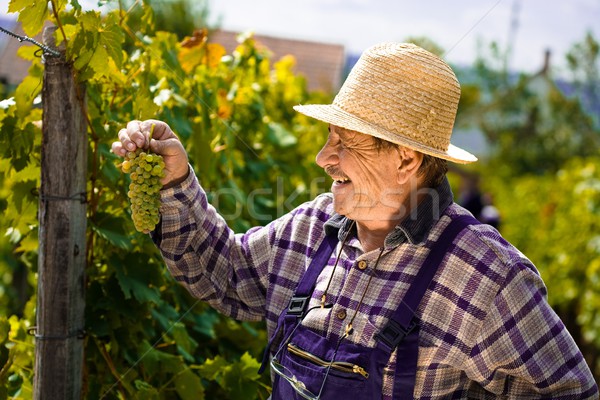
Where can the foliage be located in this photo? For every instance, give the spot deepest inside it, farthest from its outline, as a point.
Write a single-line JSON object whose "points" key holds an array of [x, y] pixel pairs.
{"points": [[147, 338], [426, 43], [180, 17], [530, 125], [555, 220], [542, 172], [584, 63]]}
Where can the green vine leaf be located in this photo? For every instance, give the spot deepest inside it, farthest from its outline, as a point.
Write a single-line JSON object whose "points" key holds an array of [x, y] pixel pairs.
{"points": [[112, 37], [218, 109], [156, 361], [189, 386], [133, 281], [112, 229], [26, 92], [32, 14]]}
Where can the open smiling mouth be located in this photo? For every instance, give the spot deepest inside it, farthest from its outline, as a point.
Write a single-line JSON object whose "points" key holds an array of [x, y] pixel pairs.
{"points": [[341, 181]]}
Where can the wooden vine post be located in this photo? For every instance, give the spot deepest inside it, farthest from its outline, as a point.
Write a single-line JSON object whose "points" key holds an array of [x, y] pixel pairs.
{"points": [[62, 230]]}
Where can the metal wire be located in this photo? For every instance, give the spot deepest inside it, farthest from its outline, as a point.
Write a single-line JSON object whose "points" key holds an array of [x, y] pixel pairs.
{"points": [[47, 50]]}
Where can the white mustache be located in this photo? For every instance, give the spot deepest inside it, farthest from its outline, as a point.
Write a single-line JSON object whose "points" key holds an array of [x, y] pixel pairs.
{"points": [[334, 171]]}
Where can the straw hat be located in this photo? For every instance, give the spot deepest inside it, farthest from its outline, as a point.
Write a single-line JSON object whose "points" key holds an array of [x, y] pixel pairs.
{"points": [[401, 93]]}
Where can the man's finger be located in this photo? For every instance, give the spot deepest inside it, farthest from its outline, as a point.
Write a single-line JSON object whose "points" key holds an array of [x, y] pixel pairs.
{"points": [[136, 133], [126, 141], [117, 148], [161, 130]]}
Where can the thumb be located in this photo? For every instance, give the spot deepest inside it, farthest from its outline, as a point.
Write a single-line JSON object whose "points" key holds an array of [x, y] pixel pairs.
{"points": [[170, 149], [156, 146], [166, 147]]}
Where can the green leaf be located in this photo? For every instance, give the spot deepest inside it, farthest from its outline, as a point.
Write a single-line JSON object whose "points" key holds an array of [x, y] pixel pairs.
{"points": [[61, 5], [29, 173], [83, 58], [145, 391], [20, 145], [189, 386], [156, 361], [205, 323], [148, 19], [28, 52], [112, 228], [182, 338], [111, 38], [32, 14], [279, 136], [21, 195], [134, 280], [213, 368], [144, 107], [240, 379], [249, 366], [98, 60], [27, 90]]}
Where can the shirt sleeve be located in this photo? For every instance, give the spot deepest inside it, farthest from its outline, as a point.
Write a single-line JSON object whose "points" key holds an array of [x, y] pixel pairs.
{"points": [[524, 350], [226, 270]]}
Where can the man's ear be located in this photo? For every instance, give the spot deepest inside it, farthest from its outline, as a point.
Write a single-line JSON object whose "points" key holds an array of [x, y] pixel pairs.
{"points": [[408, 165]]}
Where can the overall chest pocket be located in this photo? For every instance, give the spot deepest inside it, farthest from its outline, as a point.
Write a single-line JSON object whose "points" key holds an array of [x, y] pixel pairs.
{"points": [[348, 373], [312, 372]]}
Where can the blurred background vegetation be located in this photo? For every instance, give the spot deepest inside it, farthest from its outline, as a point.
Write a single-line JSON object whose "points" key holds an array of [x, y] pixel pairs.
{"points": [[538, 180]]}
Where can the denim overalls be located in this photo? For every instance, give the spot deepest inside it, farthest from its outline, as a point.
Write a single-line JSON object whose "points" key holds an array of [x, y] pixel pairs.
{"points": [[356, 372]]}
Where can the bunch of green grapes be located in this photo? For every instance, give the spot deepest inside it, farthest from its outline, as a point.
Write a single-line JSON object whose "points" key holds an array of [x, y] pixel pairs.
{"points": [[145, 170]]}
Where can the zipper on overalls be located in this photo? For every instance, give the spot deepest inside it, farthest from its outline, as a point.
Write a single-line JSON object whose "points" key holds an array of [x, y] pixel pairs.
{"points": [[338, 365]]}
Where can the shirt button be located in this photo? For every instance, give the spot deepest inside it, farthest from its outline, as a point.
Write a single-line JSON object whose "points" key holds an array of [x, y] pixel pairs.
{"points": [[341, 314], [362, 264]]}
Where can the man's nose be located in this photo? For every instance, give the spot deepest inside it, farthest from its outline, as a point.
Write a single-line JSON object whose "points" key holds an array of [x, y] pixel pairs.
{"points": [[327, 156]]}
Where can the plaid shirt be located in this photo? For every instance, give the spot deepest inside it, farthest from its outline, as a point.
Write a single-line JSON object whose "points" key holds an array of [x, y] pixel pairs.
{"points": [[486, 327]]}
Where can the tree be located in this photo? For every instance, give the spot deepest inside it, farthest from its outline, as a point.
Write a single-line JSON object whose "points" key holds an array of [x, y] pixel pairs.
{"points": [[531, 126], [584, 64]]}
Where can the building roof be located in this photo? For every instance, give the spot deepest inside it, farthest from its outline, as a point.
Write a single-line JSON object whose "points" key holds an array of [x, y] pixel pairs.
{"points": [[322, 64], [12, 67]]}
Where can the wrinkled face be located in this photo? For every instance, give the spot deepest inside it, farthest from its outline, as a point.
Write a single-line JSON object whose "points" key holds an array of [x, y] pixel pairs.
{"points": [[365, 178]]}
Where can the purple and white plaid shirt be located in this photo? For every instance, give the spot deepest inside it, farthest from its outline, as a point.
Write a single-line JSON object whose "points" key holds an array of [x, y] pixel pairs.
{"points": [[486, 327]]}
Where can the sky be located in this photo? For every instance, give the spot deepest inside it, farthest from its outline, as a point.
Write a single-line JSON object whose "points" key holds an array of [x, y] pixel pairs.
{"points": [[530, 26], [456, 25]]}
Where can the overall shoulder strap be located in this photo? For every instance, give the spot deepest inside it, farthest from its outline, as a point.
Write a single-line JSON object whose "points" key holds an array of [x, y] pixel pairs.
{"points": [[309, 279], [404, 319], [402, 331], [299, 301], [316, 265]]}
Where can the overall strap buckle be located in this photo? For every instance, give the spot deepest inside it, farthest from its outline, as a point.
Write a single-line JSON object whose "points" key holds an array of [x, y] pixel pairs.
{"points": [[393, 333], [298, 305]]}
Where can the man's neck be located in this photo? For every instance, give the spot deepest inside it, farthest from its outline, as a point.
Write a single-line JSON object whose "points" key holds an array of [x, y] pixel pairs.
{"points": [[372, 238], [373, 232]]}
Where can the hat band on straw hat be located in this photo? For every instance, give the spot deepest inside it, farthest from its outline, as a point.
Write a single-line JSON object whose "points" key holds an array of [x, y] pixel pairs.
{"points": [[400, 93]]}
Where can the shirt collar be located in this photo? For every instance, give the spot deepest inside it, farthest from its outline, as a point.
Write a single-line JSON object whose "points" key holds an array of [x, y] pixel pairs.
{"points": [[412, 229]]}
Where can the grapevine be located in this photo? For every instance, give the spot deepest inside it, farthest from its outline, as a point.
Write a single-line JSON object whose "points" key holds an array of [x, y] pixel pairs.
{"points": [[134, 308], [145, 170]]}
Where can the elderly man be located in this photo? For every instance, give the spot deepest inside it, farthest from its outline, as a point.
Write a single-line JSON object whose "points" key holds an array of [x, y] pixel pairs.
{"points": [[383, 288]]}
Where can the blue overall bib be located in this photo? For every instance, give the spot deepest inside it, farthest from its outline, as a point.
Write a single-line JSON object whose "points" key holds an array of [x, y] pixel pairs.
{"points": [[357, 371]]}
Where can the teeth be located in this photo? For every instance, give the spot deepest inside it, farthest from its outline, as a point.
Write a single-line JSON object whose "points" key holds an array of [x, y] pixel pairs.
{"points": [[343, 180]]}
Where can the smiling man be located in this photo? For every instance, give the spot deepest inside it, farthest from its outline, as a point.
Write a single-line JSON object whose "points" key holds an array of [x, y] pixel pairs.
{"points": [[384, 288]]}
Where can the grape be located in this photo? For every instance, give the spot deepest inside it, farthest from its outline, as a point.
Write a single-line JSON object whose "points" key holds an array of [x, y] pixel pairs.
{"points": [[145, 170]]}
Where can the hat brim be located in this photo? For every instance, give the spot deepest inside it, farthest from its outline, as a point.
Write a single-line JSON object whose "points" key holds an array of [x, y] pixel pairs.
{"points": [[334, 115]]}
